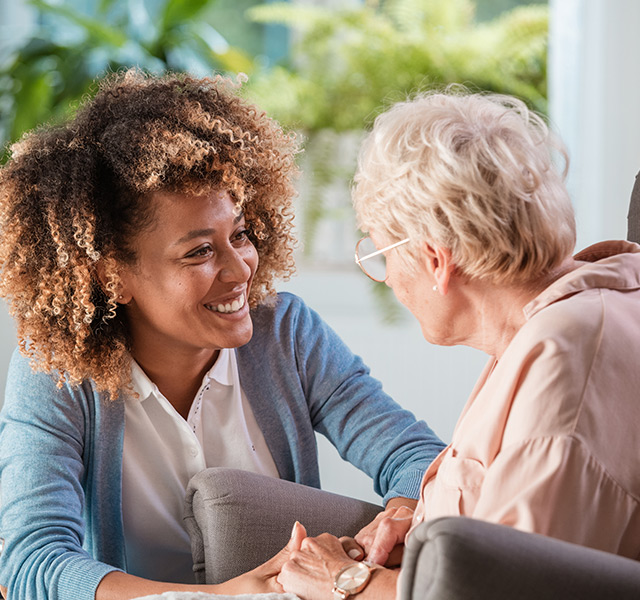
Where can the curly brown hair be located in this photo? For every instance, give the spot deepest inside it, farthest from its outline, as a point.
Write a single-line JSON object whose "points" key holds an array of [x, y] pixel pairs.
{"points": [[75, 195]]}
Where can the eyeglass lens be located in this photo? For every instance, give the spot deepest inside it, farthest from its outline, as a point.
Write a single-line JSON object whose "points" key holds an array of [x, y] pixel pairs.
{"points": [[376, 266]]}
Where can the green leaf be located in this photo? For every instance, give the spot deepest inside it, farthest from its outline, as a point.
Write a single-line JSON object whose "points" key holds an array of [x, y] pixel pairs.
{"points": [[105, 5], [177, 12], [32, 103], [285, 13], [96, 30], [215, 49]]}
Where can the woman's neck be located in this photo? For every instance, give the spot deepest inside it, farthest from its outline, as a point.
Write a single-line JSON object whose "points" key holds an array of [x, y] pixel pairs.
{"points": [[496, 312], [177, 375]]}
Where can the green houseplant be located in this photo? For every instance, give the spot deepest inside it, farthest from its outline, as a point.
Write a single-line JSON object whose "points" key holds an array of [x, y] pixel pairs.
{"points": [[54, 68]]}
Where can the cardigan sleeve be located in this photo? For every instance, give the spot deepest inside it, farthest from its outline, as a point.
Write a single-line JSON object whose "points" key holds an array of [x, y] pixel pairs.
{"points": [[42, 469], [349, 407]]}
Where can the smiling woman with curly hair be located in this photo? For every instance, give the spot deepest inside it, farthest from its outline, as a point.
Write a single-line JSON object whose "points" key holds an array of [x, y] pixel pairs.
{"points": [[140, 243], [86, 188]]}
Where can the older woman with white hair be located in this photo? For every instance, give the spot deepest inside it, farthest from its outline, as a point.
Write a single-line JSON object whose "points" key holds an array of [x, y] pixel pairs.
{"points": [[471, 225]]}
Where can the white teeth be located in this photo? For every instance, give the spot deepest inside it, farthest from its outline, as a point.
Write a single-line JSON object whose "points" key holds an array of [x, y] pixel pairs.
{"points": [[231, 307]]}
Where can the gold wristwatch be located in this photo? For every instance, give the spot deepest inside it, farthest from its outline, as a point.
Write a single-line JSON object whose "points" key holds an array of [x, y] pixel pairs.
{"points": [[352, 579]]}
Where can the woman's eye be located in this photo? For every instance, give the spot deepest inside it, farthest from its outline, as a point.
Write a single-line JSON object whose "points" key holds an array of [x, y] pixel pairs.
{"points": [[241, 236], [200, 252]]}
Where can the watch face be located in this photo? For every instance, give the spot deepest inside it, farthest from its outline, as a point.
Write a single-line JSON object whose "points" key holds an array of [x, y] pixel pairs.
{"points": [[353, 578]]}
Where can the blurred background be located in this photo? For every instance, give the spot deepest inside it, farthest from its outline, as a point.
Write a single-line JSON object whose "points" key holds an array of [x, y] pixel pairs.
{"points": [[325, 69]]}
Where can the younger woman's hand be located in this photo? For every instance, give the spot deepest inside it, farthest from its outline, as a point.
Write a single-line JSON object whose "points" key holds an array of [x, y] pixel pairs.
{"points": [[263, 579]]}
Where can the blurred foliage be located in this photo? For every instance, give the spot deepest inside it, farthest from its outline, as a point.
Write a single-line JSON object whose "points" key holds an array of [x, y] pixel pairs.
{"points": [[348, 64], [490, 9], [52, 70]]}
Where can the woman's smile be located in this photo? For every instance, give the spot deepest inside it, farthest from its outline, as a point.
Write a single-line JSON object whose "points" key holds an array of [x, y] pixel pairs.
{"points": [[226, 306], [189, 289]]}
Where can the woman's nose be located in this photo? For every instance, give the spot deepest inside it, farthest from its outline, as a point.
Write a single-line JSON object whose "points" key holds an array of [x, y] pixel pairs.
{"points": [[236, 265]]}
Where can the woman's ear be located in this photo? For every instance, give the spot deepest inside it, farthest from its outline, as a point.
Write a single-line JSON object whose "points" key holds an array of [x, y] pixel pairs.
{"points": [[123, 295], [439, 264]]}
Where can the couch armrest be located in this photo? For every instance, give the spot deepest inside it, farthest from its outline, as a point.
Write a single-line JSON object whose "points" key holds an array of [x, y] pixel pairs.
{"points": [[237, 520], [458, 558]]}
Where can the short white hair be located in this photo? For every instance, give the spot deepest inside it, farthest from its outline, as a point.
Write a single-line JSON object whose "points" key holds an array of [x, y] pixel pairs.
{"points": [[473, 173]]}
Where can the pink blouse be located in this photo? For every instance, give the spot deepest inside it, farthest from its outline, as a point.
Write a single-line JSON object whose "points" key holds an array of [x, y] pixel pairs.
{"points": [[549, 441]]}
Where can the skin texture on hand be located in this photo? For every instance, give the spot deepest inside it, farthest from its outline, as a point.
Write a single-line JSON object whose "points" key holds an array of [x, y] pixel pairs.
{"points": [[310, 571], [382, 540]]}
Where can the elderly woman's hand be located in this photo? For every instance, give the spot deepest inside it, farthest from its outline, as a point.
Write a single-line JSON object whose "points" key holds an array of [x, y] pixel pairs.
{"points": [[310, 571], [383, 539]]}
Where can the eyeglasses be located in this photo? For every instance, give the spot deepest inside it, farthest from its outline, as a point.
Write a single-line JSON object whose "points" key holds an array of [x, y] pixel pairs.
{"points": [[376, 268]]}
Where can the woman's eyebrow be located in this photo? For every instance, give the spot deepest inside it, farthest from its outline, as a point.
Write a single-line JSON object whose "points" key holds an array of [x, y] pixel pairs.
{"points": [[204, 232], [194, 234]]}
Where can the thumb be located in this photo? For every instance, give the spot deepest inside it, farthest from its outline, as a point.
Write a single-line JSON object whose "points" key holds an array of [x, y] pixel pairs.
{"points": [[298, 533]]}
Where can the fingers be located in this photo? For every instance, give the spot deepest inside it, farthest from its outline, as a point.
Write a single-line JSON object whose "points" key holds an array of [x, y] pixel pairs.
{"points": [[389, 533], [298, 534], [367, 534], [324, 544], [309, 571], [352, 548], [386, 531]]}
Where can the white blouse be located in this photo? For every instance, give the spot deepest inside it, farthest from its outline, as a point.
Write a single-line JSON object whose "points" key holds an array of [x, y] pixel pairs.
{"points": [[162, 452]]}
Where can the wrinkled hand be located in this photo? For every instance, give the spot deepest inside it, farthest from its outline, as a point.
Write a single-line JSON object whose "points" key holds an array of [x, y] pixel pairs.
{"points": [[383, 539], [310, 571], [263, 579]]}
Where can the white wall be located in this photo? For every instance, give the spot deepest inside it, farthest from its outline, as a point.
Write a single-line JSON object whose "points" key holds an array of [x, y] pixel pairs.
{"points": [[594, 91], [7, 345]]}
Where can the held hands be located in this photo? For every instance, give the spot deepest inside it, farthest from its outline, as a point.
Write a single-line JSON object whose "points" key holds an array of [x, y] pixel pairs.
{"points": [[383, 539], [307, 566], [309, 571]]}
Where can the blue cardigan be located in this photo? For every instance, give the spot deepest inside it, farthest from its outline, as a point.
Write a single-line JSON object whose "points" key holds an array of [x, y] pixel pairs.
{"points": [[61, 449]]}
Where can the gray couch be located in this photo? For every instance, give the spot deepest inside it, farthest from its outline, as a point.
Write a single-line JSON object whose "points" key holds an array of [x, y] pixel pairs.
{"points": [[238, 520]]}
